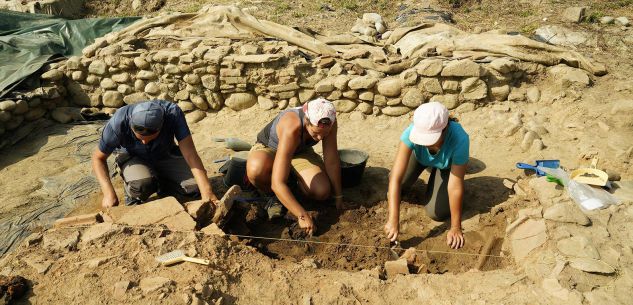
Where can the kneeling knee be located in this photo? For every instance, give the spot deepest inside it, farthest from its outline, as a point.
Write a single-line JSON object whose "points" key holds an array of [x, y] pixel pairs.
{"points": [[436, 217], [142, 188], [319, 193], [256, 170]]}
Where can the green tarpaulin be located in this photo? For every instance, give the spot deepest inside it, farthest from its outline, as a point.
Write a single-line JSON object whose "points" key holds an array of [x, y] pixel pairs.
{"points": [[28, 41]]}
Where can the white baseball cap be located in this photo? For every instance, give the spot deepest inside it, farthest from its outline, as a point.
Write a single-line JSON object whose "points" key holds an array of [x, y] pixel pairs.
{"points": [[428, 122], [319, 109]]}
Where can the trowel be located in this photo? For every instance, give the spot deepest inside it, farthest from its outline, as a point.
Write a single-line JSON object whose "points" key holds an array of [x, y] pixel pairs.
{"points": [[541, 163]]}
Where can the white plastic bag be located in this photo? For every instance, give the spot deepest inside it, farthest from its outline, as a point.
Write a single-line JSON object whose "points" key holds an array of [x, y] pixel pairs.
{"points": [[587, 197]]}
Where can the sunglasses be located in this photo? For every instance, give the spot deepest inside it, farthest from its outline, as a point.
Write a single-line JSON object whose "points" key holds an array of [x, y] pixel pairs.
{"points": [[144, 131]]}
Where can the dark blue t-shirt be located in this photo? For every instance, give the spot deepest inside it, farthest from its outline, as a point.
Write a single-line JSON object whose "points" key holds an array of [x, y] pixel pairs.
{"points": [[117, 134]]}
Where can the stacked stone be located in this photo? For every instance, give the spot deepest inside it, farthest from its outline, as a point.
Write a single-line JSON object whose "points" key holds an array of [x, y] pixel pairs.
{"points": [[451, 82], [35, 103], [199, 75], [203, 75]]}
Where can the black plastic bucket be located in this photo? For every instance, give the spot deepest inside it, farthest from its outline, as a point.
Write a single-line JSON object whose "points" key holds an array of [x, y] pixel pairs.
{"points": [[236, 170], [353, 164]]}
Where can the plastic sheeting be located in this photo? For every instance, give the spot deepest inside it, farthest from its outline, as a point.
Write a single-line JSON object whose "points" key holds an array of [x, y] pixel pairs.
{"points": [[29, 41]]}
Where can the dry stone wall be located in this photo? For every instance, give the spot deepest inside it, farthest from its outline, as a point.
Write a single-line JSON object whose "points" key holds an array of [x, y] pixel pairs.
{"points": [[205, 75], [30, 105]]}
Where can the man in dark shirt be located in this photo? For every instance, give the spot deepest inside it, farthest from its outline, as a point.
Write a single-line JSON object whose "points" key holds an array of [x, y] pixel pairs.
{"points": [[142, 137]]}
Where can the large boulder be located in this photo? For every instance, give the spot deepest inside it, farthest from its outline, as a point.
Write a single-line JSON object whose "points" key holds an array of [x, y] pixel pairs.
{"points": [[146, 75], [344, 105], [560, 36], [113, 99], [567, 76], [390, 87], [141, 63], [195, 116], [409, 77], [306, 95], [431, 85], [52, 75], [74, 63], [108, 84], [413, 98], [503, 65], [324, 86], [7, 105], [121, 78], [199, 101], [574, 14], [451, 101], [462, 68], [240, 101], [474, 89], [429, 67], [362, 82], [500, 93], [265, 102], [152, 88], [98, 67], [210, 82], [135, 98], [77, 94]]}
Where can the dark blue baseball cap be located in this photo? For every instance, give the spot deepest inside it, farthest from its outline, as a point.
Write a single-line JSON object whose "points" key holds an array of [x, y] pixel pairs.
{"points": [[147, 118]]}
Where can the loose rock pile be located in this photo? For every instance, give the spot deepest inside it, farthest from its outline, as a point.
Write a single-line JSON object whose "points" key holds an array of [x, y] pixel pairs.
{"points": [[566, 250]]}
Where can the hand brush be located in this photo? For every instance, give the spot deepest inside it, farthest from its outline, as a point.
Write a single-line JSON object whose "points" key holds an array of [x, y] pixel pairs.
{"points": [[178, 256]]}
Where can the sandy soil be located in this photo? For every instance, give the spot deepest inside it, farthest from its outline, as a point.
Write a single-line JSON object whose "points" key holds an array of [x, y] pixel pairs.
{"points": [[47, 176]]}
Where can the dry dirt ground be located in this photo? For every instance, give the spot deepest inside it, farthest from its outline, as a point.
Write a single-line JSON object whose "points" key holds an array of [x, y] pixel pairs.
{"points": [[47, 176]]}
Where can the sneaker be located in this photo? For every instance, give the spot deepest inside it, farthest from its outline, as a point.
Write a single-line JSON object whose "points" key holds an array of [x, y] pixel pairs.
{"points": [[274, 208]]}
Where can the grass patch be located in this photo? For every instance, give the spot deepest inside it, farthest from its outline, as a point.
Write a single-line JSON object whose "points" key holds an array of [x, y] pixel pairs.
{"points": [[298, 14], [351, 5], [594, 17], [529, 28], [281, 7], [612, 5], [192, 8]]}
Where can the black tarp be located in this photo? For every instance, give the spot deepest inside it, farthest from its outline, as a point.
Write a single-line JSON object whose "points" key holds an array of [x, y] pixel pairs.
{"points": [[29, 41]]}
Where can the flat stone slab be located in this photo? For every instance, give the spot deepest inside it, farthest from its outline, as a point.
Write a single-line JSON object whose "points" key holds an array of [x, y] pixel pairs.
{"points": [[256, 59], [578, 247], [563, 212], [591, 265], [167, 211], [527, 236]]}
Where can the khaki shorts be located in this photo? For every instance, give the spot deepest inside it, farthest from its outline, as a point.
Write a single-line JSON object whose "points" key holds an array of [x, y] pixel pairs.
{"points": [[304, 160]]}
